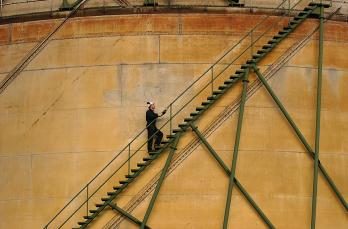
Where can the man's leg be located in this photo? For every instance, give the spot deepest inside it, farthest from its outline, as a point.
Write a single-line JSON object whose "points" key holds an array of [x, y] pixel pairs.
{"points": [[150, 140], [159, 136]]}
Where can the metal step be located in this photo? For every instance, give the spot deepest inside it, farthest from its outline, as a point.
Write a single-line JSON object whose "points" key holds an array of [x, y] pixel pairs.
{"points": [[207, 102], [217, 92], [81, 223], [134, 170], [147, 159], [177, 130], [88, 217], [273, 41], [262, 51], [165, 142], [244, 66], [141, 164], [240, 71], [223, 87], [229, 81], [123, 181], [105, 199], [153, 153], [117, 187], [277, 37], [268, 46], [194, 114], [209, 98], [129, 176], [184, 125], [99, 205], [93, 211], [111, 193], [200, 108]]}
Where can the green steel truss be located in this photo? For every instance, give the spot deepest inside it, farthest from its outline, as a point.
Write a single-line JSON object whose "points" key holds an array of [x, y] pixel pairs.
{"points": [[241, 75]]}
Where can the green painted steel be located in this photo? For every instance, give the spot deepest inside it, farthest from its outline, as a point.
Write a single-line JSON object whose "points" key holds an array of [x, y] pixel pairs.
{"points": [[126, 214], [236, 148], [160, 180], [301, 137], [317, 132], [228, 172]]}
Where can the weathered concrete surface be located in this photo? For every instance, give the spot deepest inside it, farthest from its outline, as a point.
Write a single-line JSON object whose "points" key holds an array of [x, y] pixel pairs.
{"points": [[83, 98]]}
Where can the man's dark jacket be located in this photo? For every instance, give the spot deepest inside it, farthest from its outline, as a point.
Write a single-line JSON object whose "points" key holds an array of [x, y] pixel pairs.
{"points": [[151, 118]]}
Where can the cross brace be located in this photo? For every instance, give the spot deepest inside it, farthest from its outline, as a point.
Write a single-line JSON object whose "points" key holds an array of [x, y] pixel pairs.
{"points": [[300, 136], [160, 180], [228, 172], [126, 214]]}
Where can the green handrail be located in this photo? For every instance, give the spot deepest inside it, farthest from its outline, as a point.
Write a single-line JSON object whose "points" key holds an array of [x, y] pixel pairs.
{"points": [[170, 106]]}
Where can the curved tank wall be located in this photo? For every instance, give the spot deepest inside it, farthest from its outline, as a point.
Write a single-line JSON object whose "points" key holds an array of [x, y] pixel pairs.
{"points": [[83, 98]]}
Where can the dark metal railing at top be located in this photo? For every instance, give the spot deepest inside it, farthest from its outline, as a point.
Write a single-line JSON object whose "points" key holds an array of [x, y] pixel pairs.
{"points": [[85, 194]]}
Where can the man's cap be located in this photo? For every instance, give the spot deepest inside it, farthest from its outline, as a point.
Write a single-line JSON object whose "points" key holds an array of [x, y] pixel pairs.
{"points": [[149, 103]]}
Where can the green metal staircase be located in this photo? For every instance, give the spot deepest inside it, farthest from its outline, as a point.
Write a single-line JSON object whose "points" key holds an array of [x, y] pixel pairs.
{"points": [[172, 139], [256, 58]]}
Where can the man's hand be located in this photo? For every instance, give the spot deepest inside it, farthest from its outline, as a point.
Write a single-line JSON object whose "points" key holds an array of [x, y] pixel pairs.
{"points": [[164, 111]]}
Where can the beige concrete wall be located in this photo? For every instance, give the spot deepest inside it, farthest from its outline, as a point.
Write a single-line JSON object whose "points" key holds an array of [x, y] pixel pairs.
{"points": [[82, 99]]}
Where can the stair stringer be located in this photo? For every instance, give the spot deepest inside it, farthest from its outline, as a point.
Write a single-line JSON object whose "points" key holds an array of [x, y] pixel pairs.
{"points": [[181, 156]]}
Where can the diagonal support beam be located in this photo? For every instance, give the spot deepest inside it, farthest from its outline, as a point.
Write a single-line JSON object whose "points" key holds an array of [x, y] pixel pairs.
{"points": [[236, 148], [160, 180], [317, 132], [126, 214], [228, 172], [317, 124], [300, 136]]}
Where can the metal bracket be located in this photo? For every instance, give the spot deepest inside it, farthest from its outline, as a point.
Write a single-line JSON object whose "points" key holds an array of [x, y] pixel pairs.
{"points": [[126, 214]]}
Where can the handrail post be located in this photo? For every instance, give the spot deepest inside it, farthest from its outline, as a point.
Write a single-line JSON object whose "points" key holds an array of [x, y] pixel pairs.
{"points": [[317, 122], [129, 158], [170, 118], [87, 200], [212, 79]]}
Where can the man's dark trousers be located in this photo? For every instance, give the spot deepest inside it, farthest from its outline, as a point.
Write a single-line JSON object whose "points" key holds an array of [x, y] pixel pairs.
{"points": [[153, 133]]}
